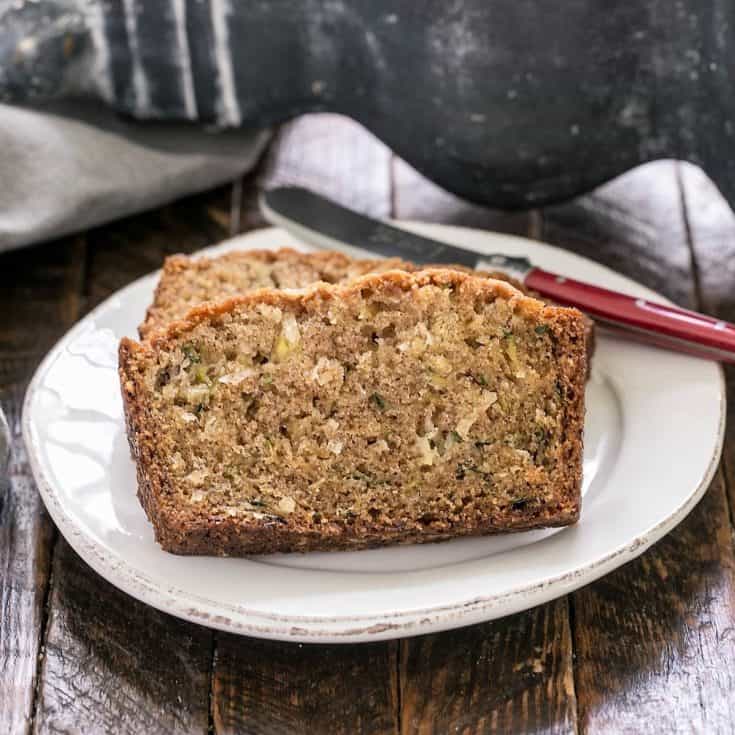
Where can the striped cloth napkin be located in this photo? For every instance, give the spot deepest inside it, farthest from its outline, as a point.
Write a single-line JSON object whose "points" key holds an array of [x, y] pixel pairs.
{"points": [[74, 165]]}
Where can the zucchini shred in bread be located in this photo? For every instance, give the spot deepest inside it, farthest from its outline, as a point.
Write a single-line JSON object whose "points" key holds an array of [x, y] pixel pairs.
{"points": [[401, 407]]}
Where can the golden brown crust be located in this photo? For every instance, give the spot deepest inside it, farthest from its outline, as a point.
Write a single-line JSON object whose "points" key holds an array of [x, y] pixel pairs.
{"points": [[142, 444], [400, 278], [179, 530], [323, 265], [228, 537]]}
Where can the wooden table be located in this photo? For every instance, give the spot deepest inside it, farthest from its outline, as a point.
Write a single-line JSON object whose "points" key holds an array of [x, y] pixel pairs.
{"points": [[649, 648]]}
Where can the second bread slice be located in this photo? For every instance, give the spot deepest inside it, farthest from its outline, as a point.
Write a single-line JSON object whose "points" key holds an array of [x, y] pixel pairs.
{"points": [[188, 282]]}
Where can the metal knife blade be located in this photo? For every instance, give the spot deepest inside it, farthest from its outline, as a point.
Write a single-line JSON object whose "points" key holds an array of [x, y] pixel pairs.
{"points": [[325, 223]]}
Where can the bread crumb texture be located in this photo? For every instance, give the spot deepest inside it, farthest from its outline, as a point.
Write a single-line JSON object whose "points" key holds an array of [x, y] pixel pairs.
{"points": [[401, 407]]}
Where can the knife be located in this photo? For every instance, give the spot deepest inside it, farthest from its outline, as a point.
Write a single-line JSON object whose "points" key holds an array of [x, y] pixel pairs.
{"points": [[325, 223]]}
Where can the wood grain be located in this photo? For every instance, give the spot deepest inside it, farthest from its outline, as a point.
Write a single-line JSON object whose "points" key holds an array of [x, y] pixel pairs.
{"points": [[415, 197], [42, 290], [113, 664], [263, 687], [127, 249], [343, 161], [333, 156], [634, 225], [282, 688], [511, 675], [654, 640], [712, 232]]}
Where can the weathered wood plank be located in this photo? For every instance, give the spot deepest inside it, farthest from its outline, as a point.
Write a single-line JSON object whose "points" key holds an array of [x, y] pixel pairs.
{"points": [[415, 197], [113, 664], [125, 250], [41, 288], [511, 675], [653, 641], [712, 227], [334, 156], [290, 689], [633, 225], [329, 154], [263, 687]]}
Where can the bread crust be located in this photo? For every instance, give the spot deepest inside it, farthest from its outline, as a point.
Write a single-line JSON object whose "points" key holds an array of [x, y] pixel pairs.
{"points": [[168, 288], [322, 262], [179, 531]]}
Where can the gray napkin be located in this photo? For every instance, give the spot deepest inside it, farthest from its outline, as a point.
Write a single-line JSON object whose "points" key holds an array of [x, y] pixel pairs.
{"points": [[68, 167]]}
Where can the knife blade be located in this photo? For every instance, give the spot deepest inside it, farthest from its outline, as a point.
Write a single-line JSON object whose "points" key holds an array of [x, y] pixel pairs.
{"points": [[326, 224]]}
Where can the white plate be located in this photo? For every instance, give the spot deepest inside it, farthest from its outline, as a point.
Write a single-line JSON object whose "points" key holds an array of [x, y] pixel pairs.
{"points": [[653, 437]]}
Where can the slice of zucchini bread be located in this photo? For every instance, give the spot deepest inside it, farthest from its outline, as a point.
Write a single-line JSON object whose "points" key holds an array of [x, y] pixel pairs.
{"points": [[187, 282], [401, 407]]}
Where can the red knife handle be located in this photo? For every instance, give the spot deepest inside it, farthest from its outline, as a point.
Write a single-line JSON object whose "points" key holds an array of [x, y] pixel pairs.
{"points": [[677, 329]]}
